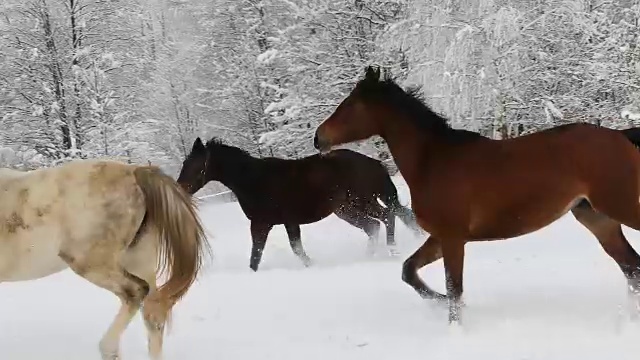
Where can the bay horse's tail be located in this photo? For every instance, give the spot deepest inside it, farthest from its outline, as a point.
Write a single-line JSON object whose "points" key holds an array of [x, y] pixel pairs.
{"points": [[182, 240], [391, 200]]}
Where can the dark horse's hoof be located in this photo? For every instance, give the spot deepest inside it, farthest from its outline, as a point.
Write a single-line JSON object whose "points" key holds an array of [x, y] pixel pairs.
{"points": [[393, 251]]}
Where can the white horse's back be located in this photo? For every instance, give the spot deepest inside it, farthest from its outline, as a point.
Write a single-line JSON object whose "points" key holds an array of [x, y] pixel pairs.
{"points": [[11, 173]]}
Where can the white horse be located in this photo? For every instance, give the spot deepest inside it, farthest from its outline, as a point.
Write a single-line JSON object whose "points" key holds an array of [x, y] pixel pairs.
{"points": [[117, 225]]}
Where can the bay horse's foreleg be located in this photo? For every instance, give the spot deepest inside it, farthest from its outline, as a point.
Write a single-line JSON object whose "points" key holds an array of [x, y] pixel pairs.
{"points": [[111, 276], [359, 218], [429, 252], [609, 234], [453, 256], [295, 240], [259, 233]]}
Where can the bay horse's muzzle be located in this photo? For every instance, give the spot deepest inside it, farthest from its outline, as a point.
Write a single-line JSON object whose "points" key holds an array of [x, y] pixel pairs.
{"points": [[315, 141], [320, 144]]}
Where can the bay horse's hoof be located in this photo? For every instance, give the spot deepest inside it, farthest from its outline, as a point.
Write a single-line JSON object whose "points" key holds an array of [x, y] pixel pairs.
{"points": [[633, 304], [433, 295], [455, 328], [454, 316]]}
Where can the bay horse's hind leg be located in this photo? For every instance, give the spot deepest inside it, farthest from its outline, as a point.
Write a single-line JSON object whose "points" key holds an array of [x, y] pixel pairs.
{"points": [[295, 240], [429, 252], [609, 234], [360, 220], [103, 269], [453, 256]]}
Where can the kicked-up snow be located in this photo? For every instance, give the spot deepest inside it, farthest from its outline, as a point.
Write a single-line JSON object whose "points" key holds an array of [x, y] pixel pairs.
{"points": [[552, 294]]}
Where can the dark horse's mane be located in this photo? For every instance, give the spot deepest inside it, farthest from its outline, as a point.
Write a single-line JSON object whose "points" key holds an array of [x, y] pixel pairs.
{"points": [[411, 101], [232, 151]]}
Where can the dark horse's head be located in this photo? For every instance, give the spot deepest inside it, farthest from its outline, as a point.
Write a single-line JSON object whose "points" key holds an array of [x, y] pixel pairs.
{"points": [[206, 163], [194, 168]]}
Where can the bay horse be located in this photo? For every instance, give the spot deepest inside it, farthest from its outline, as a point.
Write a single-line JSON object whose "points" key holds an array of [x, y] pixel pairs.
{"points": [[116, 225], [468, 188], [273, 191]]}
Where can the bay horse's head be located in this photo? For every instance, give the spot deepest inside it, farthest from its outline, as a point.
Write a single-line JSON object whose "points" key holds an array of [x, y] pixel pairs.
{"points": [[356, 117], [194, 168]]}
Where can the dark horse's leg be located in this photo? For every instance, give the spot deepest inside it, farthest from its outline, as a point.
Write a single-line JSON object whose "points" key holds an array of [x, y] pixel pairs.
{"points": [[293, 230], [259, 233], [388, 217], [360, 220], [377, 211], [389, 196], [429, 252], [609, 234]]}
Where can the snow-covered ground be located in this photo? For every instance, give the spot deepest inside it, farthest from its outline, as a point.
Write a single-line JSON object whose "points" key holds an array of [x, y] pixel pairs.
{"points": [[552, 294]]}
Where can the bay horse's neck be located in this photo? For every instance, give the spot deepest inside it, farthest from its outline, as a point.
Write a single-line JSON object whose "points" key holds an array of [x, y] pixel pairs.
{"points": [[411, 147]]}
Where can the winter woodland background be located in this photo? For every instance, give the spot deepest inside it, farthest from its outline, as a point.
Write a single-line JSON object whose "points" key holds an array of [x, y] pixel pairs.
{"points": [[140, 79]]}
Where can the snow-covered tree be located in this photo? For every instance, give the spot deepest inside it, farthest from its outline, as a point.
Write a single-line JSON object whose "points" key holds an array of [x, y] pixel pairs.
{"points": [[68, 69], [319, 56], [508, 67], [140, 79]]}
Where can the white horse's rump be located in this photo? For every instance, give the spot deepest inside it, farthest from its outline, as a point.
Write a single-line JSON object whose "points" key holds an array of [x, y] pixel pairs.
{"points": [[108, 221]]}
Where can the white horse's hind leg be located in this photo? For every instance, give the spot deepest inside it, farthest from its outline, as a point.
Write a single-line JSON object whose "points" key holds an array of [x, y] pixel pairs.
{"points": [[155, 318], [129, 288], [141, 260]]}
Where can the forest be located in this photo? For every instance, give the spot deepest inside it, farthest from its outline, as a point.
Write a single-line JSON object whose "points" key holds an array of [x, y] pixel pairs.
{"points": [[139, 80]]}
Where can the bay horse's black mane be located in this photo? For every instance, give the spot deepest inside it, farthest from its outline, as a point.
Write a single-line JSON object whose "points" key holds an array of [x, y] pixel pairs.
{"points": [[411, 101]]}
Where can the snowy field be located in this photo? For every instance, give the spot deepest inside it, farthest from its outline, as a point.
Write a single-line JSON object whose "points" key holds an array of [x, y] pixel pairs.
{"points": [[552, 294]]}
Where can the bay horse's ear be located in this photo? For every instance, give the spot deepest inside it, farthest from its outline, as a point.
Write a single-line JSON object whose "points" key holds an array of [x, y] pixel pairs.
{"points": [[197, 145], [372, 74]]}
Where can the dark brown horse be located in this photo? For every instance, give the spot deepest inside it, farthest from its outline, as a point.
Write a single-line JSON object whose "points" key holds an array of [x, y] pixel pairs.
{"points": [[274, 191], [470, 188]]}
